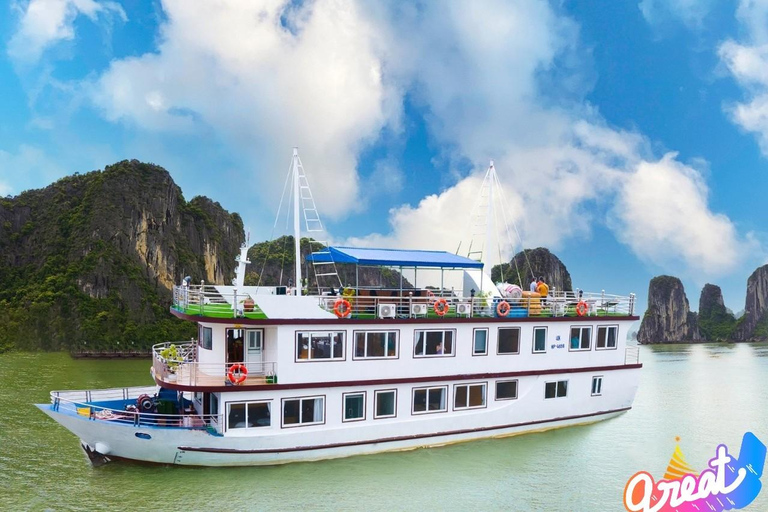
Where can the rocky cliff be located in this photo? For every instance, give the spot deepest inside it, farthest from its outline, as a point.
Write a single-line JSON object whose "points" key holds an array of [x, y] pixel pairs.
{"points": [[754, 324], [531, 263], [668, 318], [272, 264], [716, 323], [91, 259]]}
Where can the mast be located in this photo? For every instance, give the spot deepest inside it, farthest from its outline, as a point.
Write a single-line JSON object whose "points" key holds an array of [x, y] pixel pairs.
{"points": [[242, 261], [490, 222], [296, 221]]}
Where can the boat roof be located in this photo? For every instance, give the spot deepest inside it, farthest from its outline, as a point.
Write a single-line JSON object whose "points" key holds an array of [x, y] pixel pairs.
{"points": [[393, 258]]}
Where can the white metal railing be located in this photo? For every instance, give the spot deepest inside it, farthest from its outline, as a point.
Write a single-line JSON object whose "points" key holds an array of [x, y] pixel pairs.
{"points": [[185, 369], [86, 403], [632, 355], [206, 300]]}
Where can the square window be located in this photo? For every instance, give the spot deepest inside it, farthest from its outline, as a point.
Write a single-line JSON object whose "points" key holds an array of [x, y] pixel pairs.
{"points": [[506, 390], [433, 343], [509, 340], [468, 396], [606, 337], [376, 345], [539, 339], [206, 338], [556, 389], [303, 411], [354, 406], [427, 400], [385, 404], [480, 346], [581, 338], [319, 345]]}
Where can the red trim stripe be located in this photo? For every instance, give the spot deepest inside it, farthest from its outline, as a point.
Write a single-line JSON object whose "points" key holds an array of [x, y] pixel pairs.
{"points": [[377, 382], [400, 438]]}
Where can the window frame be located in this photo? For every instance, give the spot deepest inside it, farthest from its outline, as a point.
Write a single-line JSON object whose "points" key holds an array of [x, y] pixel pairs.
{"points": [[496, 389], [375, 358], [498, 343], [599, 380], [201, 336], [309, 359], [533, 343], [227, 409], [424, 348], [557, 384], [487, 340], [427, 389], [344, 396], [376, 394], [607, 329], [300, 399], [468, 385], [581, 335]]}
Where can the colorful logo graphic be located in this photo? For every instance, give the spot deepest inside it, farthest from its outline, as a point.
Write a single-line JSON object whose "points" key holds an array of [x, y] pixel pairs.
{"points": [[729, 483]]}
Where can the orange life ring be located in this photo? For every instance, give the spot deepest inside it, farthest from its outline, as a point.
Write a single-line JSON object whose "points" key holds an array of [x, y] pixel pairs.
{"points": [[337, 308], [582, 308], [237, 373], [502, 308], [441, 307]]}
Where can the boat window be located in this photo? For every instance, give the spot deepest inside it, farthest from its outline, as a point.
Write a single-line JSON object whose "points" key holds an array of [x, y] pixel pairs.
{"points": [[206, 337], [539, 340], [480, 347], [597, 385], [557, 389], [606, 336], [248, 415], [468, 396], [433, 343], [581, 338], [429, 400], [303, 411], [319, 345], [506, 390], [354, 406], [386, 402], [509, 340], [376, 345]]}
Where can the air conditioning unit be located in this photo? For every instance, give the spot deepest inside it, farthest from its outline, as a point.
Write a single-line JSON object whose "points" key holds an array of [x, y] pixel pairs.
{"points": [[463, 308], [419, 309], [387, 310], [328, 304]]}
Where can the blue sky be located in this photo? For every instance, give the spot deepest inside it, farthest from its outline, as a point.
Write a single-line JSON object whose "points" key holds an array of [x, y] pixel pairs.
{"points": [[630, 137]]}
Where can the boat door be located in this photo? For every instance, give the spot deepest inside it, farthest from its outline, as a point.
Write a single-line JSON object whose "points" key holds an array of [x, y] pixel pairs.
{"points": [[254, 343], [235, 352]]}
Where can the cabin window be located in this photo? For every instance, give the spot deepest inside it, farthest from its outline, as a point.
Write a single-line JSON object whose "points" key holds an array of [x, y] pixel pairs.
{"points": [[354, 406], [580, 338], [557, 389], [509, 340], [313, 346], [303, 411], [480, 346], [506, 390], [386, 404], [376, 345], [206, 337], [539, 340], [248, 415], [597, 385], [469, 396], [429, 400], [606, 337], [433, 343]]}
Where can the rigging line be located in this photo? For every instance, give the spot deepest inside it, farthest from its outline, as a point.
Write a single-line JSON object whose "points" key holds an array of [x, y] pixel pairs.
{"points": [[503, 201], [496, 234], [274, 226]]}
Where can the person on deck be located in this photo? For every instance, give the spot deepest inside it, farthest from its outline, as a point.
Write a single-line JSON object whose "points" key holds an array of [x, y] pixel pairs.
{"points": [[534, 284], [543, 289]]}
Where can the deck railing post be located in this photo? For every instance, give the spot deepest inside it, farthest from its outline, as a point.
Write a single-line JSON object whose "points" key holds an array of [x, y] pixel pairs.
{"points": [[202, 297]]}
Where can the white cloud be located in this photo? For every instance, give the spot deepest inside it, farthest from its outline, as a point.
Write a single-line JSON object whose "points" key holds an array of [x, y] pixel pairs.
{"points": [[263, 87], [25, 166], [5, 189], [690, 12], [46, 22]]}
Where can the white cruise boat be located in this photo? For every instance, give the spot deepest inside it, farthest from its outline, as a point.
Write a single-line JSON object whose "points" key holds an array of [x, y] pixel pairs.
{"points": [[276, 376]]}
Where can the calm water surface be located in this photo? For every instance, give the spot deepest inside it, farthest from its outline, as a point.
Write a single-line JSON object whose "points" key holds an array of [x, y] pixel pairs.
{"points": [[706, 394]]}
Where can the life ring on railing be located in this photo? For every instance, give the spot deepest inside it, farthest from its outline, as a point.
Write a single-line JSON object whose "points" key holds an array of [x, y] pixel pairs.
{"points": [[502, 308], [582, 308], [237, 373], [441, 307], [339, 304]]}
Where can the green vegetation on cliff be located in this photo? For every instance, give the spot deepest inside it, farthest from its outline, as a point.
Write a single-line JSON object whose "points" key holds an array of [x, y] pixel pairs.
{"points": [[88, 261]]}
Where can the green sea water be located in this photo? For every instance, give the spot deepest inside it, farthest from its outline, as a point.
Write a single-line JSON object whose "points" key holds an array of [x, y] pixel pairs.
{"points": [[705, 394]]}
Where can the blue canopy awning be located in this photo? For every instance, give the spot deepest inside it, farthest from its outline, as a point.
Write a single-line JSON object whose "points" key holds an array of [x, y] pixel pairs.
{"points": [[393, 258]]}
